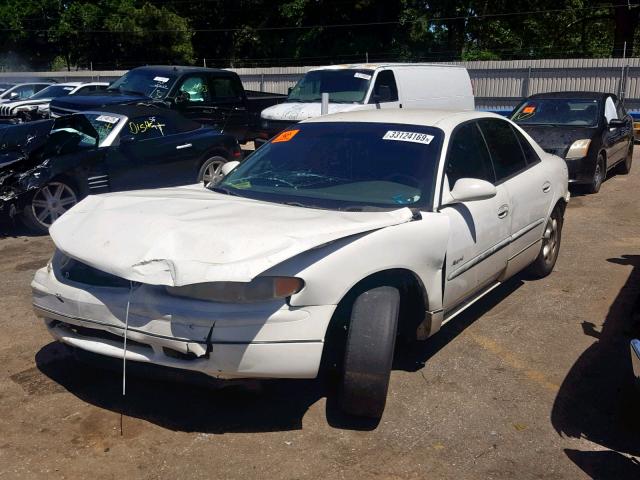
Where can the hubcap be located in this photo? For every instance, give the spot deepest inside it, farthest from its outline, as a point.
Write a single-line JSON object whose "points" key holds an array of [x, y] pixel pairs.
{"points": [[51, 201], [212, 172], [550, 240]]}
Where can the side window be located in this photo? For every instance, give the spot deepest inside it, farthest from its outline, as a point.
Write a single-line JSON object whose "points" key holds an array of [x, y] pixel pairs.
{"points": [[610, 111], [620, 109], [196, 88], [224, 87], [530, 154], [25, 91], [145, 128], [468, 156], [385, 87], [504, 148]]}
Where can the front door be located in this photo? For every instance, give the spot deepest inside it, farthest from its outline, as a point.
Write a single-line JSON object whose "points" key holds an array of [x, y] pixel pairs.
{"points": [[479, 232]]}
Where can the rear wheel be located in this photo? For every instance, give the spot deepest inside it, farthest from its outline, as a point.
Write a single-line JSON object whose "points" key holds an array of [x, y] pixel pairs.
{"points": [[624, 167], [369, 352], [598, 175], [546, 260], [47, 204], [211, 169]]}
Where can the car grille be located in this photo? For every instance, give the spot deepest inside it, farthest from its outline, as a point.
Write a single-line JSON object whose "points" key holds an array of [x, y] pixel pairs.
{"points": [[81, 273], [5, 111]]}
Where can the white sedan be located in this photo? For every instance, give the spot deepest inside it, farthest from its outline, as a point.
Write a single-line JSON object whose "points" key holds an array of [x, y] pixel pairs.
{"points": [[321, 249]]}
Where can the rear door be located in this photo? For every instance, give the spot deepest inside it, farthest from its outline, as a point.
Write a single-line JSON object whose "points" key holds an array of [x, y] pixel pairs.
{"points": [[480, 230], [519, 170], [151, 154]]}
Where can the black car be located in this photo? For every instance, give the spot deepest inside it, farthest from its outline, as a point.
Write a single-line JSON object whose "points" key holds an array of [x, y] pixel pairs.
{"points": [[207, 95], [47, 166], [591, 131]]}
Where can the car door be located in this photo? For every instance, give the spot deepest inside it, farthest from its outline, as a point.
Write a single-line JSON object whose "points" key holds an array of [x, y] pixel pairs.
{"points": [[615, 138], [151, 154], [519, 169], [385, 90], [479, 229]]}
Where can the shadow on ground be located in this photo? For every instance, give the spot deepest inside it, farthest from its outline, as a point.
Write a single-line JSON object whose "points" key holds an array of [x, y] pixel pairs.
{"points": [[13, 229], [184, 402], [597, 399]]}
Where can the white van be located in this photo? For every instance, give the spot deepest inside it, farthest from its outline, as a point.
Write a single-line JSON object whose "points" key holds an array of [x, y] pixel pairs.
{"points": [[370, 86]]}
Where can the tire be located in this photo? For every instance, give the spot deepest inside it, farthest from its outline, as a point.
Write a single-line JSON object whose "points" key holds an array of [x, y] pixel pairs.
{"points": [[599, 175], [210, 169], [624, 167], [47, 204], [546, 260], [369, 352]]}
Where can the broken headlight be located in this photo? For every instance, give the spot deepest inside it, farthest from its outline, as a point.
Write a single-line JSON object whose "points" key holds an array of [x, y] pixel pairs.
{"points": [[578, 149], [258, 290]]}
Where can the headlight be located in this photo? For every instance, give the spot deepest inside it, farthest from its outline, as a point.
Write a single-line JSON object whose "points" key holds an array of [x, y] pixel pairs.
{"points": [[578, 149], [258, 290], [27, 108]]}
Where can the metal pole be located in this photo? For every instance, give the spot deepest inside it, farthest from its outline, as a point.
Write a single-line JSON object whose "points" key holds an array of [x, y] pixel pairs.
{"points": [[324, 108]]}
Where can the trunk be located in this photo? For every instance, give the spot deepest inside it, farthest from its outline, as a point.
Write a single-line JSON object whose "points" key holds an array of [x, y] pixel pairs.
{"points": [[626, 22]]}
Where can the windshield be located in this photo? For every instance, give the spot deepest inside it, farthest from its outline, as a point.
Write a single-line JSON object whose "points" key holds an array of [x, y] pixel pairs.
{"points": [[5, 86], [144, 82], [343, 86], [558, 111], [343, 166], [52, 92], [89, 126]]}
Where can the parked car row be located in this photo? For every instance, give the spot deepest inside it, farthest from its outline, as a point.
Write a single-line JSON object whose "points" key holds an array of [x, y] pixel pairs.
{"points": [[339, 235]]}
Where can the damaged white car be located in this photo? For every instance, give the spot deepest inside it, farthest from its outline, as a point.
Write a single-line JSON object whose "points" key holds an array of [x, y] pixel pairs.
{"points": [[325, 246]]}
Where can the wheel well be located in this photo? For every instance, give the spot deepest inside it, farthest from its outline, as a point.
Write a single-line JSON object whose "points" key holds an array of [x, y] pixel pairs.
{"points": [[215, 153], [413, 305]]}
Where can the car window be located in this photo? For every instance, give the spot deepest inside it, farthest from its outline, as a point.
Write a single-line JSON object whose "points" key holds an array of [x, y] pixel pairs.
{"points": [[468, 156], [610, 111], [147, 127], [385, 87], [620, 109], [504, 148], [224, 87], [196, 89], [25, 91], [529, 152]]}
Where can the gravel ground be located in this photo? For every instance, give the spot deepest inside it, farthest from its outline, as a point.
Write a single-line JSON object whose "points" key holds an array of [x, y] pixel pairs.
{"points": [[532, 382]]}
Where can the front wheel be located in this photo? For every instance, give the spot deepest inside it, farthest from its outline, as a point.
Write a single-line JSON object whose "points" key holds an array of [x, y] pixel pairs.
{"points": [[598, 175], [546, 260], [369, 352], [47, 204], [211, 170]]}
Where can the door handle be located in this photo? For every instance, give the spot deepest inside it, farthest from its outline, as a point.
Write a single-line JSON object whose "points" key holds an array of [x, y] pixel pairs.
{"points": [[503, 211], [186, 145], [546, 187]]}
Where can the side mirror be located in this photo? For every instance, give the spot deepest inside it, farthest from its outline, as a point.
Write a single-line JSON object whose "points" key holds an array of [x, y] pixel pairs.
{"points": [[289, 90], [13, 95], [616, 123], [181, 99], [470, 190]]}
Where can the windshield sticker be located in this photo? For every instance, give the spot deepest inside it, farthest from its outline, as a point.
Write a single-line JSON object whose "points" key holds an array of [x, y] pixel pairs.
{"points": [[363, 76], [529, 109], [150, 123], [160, 79], [241, 184], [107, 119], [285, 136], [68, 89], [414, 137]]}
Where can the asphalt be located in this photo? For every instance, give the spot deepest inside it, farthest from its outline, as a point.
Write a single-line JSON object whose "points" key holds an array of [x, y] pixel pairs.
{"points": [[534, 382]]}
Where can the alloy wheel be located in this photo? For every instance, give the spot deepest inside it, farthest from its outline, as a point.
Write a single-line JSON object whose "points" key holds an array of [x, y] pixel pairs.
{"points": [[51, 201]]}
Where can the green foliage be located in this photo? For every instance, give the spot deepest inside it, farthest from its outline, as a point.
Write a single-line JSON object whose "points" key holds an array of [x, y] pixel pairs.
{"points": [[40, 34]]}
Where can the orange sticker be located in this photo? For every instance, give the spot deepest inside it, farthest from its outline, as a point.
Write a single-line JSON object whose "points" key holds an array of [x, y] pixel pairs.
{"points": [[528, 109], [285, 136]]}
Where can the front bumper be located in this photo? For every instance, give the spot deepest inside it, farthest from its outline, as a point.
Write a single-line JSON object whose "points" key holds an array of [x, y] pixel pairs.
{"points": [[581, 170], [268, 340], [635, 360]]}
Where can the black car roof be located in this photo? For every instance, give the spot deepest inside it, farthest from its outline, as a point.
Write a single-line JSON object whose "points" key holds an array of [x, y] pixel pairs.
{"points": [[183, 69], [585, 95], [180, 122]]}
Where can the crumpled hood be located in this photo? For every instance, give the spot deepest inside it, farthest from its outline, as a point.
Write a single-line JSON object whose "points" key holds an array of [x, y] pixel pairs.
{"points": [[80, 103], [297, 112], [185, 235]]}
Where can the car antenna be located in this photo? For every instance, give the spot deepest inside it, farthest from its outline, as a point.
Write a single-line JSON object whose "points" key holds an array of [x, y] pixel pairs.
{"points": [[124, 354]]}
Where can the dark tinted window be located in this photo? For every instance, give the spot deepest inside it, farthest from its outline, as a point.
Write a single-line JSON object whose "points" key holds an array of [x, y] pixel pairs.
{"points": [[224, 87], [620, 108], [144, 128], [504, 148], [385, 87], [468, 156], [530, 154]]}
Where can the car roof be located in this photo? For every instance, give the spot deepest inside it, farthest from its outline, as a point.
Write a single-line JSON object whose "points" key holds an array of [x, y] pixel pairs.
{"points": [[574, 94], [182, 69], [373, 66], [428, 118], [142, 110]]}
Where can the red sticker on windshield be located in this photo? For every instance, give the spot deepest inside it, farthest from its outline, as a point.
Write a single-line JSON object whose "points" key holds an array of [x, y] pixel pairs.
{"points": [[285, 136], [529, 109]]}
